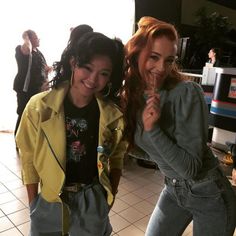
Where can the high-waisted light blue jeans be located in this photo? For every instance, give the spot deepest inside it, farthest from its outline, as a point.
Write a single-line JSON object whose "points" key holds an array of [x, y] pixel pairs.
{"points": [[88, 214], [210, 203]]}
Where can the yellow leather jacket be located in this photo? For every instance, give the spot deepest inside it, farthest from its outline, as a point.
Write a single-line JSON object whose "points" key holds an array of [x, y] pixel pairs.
{"points": [[41, 140]]}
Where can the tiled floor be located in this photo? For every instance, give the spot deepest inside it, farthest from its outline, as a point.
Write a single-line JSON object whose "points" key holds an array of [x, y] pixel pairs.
{"points": [[138, 192]]}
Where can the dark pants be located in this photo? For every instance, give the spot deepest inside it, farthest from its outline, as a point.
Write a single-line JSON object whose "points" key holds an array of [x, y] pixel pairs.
{"points": [[22, 100]]}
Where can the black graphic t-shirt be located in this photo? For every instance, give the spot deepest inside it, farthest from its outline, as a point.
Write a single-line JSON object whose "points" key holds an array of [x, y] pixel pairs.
{"points": [[82, 141]]}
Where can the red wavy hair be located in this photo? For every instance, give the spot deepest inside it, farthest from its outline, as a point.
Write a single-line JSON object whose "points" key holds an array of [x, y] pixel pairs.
{"points": [[132, 100]]}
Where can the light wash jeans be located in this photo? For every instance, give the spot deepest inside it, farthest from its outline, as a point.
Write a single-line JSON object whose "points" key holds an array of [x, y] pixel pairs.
{"points": [[88, 214], [209, 202]]}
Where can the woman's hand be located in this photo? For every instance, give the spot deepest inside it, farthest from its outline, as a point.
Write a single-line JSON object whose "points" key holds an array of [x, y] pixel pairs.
{"points": [[151, 112]]}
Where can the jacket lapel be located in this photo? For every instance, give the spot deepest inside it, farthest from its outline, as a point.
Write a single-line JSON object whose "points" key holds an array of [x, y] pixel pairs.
{"points": [[54, 131], [54, 127], [108, 115]]}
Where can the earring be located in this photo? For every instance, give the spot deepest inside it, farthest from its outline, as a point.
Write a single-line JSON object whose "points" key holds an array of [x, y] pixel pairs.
{"points": [[106, 93], [72, 78]]}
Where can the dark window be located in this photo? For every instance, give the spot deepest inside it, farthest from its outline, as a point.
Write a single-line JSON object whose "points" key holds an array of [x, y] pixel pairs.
{"points": [[226, 3]]}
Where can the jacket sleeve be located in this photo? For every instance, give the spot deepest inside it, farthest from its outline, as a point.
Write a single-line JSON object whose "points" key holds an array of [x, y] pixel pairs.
{"points": [[26, 140], [184, 152]]}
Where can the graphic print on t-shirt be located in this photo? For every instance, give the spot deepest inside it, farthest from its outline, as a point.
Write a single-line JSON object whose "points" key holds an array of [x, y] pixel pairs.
{"points": [[76, 132]]}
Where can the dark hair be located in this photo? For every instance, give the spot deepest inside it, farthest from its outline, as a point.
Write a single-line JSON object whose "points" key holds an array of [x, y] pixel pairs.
{"points": [[77, 32], [69, 51], [217, 51], [83, 51]]}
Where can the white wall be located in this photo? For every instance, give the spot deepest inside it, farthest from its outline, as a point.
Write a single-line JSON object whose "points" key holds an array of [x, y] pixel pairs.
{"points": [[52, 20]]}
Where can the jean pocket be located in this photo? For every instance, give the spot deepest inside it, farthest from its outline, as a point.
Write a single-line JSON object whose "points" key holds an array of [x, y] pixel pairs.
{"points": [[33, 203], [206, 189], [46, 216], [100, 195]]}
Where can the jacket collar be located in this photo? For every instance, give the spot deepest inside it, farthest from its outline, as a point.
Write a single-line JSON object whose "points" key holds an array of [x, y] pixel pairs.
{"points": [[107, 112], [55, 100]]}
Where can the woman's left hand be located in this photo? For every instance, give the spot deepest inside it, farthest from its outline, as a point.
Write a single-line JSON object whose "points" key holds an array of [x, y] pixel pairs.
{"points": [[151, 112]]}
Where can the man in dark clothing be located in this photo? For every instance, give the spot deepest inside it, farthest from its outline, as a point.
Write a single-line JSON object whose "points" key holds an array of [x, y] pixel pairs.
{"points": [[32, 71]]}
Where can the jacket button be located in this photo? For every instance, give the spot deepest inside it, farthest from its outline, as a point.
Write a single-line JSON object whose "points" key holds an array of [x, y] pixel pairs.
{"points": [[100, 149]]}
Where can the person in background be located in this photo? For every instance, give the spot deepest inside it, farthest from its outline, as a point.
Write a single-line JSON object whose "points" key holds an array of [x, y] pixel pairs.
{"points": [[167, 117], [70, 141], [214, 57], [32, 72]]}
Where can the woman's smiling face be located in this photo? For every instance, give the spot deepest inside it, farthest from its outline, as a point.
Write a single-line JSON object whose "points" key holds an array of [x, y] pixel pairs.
{"points": [[92, 77], [159, 62]]}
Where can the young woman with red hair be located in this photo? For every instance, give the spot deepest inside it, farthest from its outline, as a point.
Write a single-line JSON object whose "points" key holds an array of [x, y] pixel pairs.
{"points": [[167, 117]]}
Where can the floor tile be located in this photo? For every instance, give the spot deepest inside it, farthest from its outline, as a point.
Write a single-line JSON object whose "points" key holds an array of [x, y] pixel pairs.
{"points": [[143, 193], [131, 198], [11, 207], [11, 232], [154, 187], [20, 217], [5, 224], [130, 186], [1, 213], [8, 176], [119, 206], [121, 191], [111, 213], [20, 192], [15, 184], [6, 197], [24, 228], [118, 223], [131, 230], [3, 189], [131, 214], [153, 199], [142, 223], [145, 207]]}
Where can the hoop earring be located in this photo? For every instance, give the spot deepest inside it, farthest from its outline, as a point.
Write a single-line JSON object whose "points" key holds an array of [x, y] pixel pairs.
{"points": [[72, 78], [109, 85]]}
